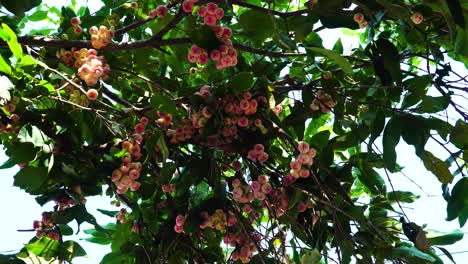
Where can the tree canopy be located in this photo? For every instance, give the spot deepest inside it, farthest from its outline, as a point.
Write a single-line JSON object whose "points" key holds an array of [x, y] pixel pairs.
{"points": [[225, 131]]}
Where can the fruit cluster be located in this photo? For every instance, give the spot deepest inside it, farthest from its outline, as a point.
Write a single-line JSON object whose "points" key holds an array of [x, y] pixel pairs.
{"points": [[258, 153], [75, 22], [160, 11], [300, 168], [140, 127], [91, 67], [225, 55], [237, 112], [261, 187], [278, 202], [360, 19], [101, 37], [64, 202], [243, 244], [302, 206], [10, 125], [46, 227], [121, 216], [128, 173], [179, 226], [219, 220], [241, 192], [76, 97], [324, 102]]}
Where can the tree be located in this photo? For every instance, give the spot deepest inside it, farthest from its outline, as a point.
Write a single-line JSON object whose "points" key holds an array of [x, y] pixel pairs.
{"points": [[226, 132]]}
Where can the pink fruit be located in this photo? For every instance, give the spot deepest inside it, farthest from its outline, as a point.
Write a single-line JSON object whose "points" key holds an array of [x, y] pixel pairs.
{"points": [[92, 94], [187, 6]]}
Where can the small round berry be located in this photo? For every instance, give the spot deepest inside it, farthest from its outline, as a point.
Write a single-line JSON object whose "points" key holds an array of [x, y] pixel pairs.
{"points": [[92, 94], [75, 21], [139, 128], [77, 30], [417, 18], [202, 11], [187, 6], [358, 18], [161, 11], [144, 121]]}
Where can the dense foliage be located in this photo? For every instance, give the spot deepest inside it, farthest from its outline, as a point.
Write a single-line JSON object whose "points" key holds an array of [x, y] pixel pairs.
{"points": [[225, 131]]}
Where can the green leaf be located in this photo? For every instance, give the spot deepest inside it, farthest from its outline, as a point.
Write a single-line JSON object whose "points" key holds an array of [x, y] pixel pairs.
{"points": [[320, 140], [377, 126], [311, 257], [457, 205], [447, 254], [404, 251], [241, 82], [4, 67], [417, 88], [65, 230], [99, 240], [32, 134], [439, 168], [372, 180], [257, 25], [391, 137], [402, 197], [442, 238], [31, 179], [161, 143], [391, 59], [205, 38], [70, 249], [12, 42], [19, 7], [116, 258], [107, 212], [432, 104], [22, 152], [337, 58], [44, 247], [38, 15], [120, 236], [163, 103], [459, 134], [8, 164]]}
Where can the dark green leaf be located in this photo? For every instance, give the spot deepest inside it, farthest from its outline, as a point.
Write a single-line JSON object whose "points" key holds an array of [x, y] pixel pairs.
{"points": [[459, 134], [372, 180], [391, 137], [458, 202], [391, 59], [432, 104], [163, 103], [19, 7], [31, 179], [257, 25]]}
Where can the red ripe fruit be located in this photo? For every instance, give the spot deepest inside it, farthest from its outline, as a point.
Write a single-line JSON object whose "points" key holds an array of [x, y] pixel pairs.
{"points": [[139, 128], [75, 21], [161, 11], [144, 121], [92, 94], [187, 6]]}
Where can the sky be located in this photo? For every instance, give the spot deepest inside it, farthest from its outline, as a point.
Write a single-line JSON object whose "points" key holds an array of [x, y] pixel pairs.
{"points": [[19, 209]]}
